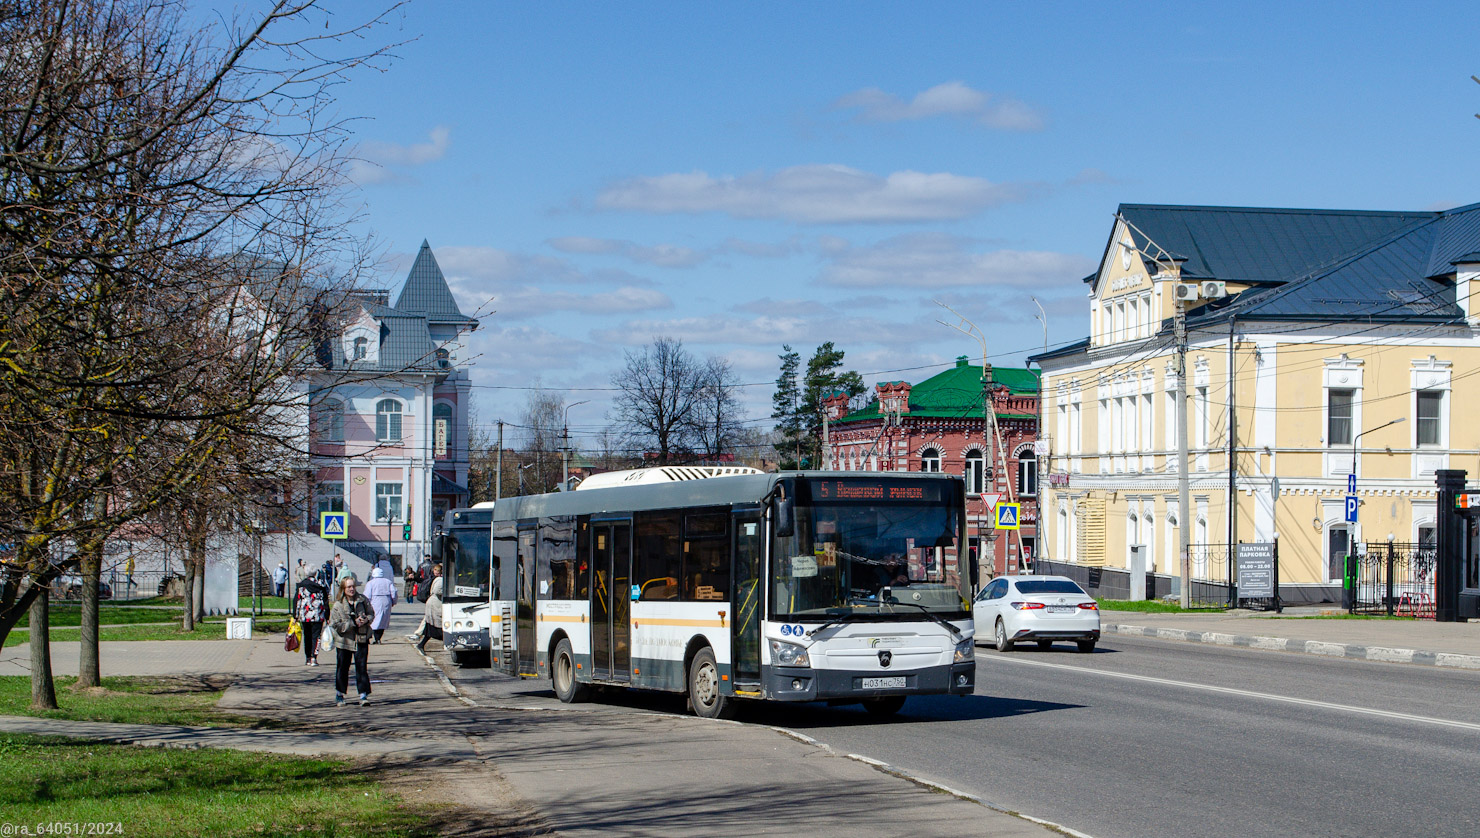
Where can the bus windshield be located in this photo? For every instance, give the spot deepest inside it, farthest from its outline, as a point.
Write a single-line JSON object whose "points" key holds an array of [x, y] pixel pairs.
{"points": [[855, 554], [468, 557]]}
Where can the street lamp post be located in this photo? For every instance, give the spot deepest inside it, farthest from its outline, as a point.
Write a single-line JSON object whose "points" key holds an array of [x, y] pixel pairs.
{"points": [[1368, 431], [1349, 580], [565, 446]]}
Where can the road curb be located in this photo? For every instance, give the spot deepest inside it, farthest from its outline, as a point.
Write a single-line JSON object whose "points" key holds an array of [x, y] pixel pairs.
{"points": [[1384, 654]]}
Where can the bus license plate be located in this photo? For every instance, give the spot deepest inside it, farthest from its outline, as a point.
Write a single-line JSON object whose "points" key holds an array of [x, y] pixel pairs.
{"points": [[883, 683]]}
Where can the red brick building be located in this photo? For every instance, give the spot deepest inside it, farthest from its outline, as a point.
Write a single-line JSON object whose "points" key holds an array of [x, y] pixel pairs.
{"points": [[940, 425]]}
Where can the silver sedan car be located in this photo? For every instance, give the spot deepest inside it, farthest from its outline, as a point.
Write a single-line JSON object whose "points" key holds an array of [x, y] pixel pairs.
{"points": [[1017, 609]]}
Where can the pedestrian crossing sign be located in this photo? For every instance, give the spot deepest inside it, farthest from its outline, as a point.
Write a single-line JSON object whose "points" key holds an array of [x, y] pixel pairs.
{"points": [[1008, 515], [333, 525]]}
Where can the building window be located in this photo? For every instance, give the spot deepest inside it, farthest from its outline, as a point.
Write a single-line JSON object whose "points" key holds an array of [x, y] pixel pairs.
{"points": [[444, 359], [1339, 417], [328, 497], [441, 429], [362, 348], [1027, 478], [328, 421], [388, 502], [388, 420], [976, 474], [1429, 405], [930, 460]]}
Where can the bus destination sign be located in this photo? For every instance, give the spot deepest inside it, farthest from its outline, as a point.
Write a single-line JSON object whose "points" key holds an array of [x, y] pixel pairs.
{"points": [[874, 490]]}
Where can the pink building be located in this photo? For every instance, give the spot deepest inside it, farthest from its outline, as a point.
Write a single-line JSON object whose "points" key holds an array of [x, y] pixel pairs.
{"points": [[940, 425], [389, 416]]}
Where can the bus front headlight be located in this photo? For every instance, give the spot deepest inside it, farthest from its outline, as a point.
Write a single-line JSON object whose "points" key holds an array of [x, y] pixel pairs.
{"points": [[789, 654], [965, 650]]}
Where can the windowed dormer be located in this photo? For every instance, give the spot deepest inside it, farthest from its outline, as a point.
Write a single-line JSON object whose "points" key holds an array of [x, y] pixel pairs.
{"points": [[361, 342]]}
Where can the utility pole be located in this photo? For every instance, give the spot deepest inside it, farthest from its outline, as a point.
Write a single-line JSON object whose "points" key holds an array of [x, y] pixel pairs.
{"points": [[826, 443], [565, 447], [1184, 488], [498, 469]]}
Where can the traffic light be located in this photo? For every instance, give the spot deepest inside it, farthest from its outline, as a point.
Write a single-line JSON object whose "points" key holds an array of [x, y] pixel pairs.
{"points": [[405, 532]]}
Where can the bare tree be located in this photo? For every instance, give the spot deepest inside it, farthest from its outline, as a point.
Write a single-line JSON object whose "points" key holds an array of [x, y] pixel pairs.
{"points": [[718, 427], [540, 427], [152, 171], [674, 408]]}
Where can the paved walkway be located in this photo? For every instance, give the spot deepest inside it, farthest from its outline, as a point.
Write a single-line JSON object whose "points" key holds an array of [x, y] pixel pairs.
{"points": [[1422, 642]]}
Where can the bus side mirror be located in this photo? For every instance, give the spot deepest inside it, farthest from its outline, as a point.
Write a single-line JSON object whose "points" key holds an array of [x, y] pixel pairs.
{"points": [[437, 540], [786, 525]]}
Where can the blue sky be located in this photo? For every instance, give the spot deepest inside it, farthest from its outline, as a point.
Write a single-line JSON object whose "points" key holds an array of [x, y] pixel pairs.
{"points": [[744, 176]]}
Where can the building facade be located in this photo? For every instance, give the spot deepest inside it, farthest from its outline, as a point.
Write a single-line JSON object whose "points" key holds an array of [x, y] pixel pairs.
{"points": [[389, 415], [1327, 355], [941, 425]]}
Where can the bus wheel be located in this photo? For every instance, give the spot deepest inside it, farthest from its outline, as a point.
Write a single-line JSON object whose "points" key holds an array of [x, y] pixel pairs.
{"points": [[563, 675], [704, 694], [886, 706]]}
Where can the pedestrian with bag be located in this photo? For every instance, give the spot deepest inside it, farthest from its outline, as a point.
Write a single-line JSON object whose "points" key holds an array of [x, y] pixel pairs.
{"points": [[310, 608], [350, 619], [381, 592], [432, 624], [409, 578]]}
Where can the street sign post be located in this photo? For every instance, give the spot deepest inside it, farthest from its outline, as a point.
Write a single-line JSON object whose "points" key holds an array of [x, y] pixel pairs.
{"points": [[333, 525], [1351, 509], [1008, 515], [1351, 483]]}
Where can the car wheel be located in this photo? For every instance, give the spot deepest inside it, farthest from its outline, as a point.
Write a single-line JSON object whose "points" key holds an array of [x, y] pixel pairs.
{"points": [[1086, 646], [886, 706], [704, 689], [1003, 644], [1045, 645], [563, 675]]}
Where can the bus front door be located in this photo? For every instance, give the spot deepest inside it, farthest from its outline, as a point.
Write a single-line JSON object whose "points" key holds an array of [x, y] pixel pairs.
{"points": [[611, 607], [524, 609], [746, 626]]}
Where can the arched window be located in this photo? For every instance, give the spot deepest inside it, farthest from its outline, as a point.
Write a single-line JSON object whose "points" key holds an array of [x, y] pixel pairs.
{"points": [[441, 428], [388, 420], [329, 421], [362, 349], [444, 358], [976, 474], [930, 460]]}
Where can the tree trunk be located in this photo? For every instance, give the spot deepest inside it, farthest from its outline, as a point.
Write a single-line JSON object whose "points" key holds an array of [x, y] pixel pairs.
{"points": [[200, 589], [43, 689], [189, 609], [89, 674]]}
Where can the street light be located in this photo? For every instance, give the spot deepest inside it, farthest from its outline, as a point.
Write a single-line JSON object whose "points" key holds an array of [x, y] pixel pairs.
{"points": [[565, 446], [521, 476], [1368, 431]]}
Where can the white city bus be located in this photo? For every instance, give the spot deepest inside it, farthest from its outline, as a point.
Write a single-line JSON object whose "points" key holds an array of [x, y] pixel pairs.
{"points": [[843, 587], [463, 546]]}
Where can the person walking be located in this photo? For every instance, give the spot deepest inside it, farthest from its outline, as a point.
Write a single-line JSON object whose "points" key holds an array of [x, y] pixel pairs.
{"points": [[280, 580], [341, 570], [350, 619], [300, 573], [381, 592], [310, 607], [432, 625], [409, 578]]}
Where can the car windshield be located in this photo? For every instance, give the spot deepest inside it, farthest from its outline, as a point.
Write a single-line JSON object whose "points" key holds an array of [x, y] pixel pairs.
{"points": [[868, 559], [1049, 586], [468, 557]]}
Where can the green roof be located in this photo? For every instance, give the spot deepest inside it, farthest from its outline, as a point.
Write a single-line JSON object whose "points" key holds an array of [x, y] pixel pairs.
{"points": [[956, 393]]}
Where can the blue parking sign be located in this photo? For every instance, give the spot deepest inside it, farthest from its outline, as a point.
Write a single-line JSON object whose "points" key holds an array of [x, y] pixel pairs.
{"points": [[1351, 509]]}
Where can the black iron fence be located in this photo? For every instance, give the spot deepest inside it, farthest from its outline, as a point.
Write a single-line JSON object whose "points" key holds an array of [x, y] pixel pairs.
{"points": [[1393, 578]]}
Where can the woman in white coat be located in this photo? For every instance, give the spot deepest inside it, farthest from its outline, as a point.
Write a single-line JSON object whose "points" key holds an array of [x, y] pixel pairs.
{"points": [[433, 627], [381, 592]]}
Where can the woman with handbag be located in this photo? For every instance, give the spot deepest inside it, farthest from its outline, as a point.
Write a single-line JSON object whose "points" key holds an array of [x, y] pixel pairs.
{"points": [[310, 609], [350, 619]]}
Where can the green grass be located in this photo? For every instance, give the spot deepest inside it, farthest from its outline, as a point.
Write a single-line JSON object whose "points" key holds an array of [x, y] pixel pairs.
{"points": [[170, 792], [1151, 606], [214, 628], [173, 700], [278, 602], [71, 615]]}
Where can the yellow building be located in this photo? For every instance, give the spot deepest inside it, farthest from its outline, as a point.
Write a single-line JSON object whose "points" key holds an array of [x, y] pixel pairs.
{"points": [[1321, 344]]}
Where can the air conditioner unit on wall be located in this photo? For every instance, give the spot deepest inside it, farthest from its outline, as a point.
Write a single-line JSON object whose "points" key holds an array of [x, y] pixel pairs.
{"points": [[1214, 289], [1185, 291]]}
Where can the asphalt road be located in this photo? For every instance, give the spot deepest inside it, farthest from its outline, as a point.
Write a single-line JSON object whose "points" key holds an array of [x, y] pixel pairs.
{"points": [[1158, 738]]}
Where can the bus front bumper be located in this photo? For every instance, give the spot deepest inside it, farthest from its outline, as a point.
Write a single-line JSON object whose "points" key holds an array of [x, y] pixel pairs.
{"points": [[465, 641], [791, 683]]}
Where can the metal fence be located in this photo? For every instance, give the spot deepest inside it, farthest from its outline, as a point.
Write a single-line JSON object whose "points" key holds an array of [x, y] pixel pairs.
{"points": [[1209, 585], [1396, 579]]}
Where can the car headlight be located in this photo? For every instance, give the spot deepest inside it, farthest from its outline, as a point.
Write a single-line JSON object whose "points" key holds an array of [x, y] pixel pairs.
{"points": [[789, 654], [965, 650]]}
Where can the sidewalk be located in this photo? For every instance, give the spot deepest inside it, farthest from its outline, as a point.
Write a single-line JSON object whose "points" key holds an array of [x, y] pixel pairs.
{"points": [[585, 770], [1422, 642]]}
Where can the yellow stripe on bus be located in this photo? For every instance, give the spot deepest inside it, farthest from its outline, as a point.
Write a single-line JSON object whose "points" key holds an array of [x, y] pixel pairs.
{"points": [[563, 618], [656, 621]]}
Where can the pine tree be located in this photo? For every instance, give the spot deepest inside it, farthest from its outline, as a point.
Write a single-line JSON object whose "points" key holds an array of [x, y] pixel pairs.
{"points": [[784, 408], [823, 378]]}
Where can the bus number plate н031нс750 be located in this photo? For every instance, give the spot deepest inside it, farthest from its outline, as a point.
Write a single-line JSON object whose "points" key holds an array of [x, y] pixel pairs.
{"points": [[882, 683]]}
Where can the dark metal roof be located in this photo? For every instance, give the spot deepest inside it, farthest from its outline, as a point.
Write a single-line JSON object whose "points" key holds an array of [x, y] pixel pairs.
{"points": [[1257, 244], [443, 486], [426, 292]]}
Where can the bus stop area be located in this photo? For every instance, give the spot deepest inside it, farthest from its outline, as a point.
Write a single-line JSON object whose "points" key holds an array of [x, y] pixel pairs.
{"points": [[534, 766]]}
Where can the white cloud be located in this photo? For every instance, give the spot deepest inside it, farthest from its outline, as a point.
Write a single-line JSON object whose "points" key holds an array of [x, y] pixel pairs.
{"points": [[376, 160], [660, 255], [531, 301], [712, 329], [937, 260], [952, 99], [815, 194]]}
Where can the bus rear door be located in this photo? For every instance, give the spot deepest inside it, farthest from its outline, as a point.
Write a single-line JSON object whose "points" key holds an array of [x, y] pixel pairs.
{"points": [[746, 622]]}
